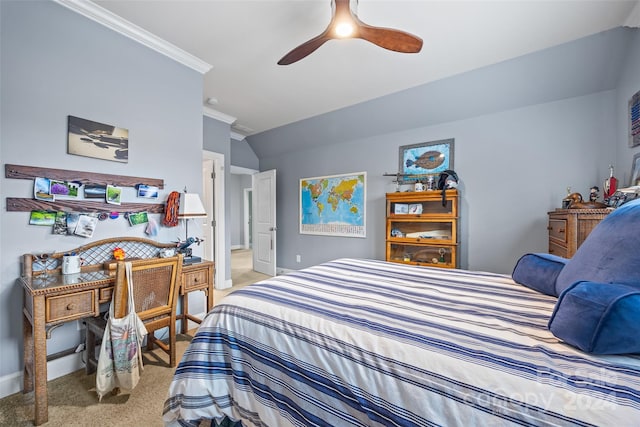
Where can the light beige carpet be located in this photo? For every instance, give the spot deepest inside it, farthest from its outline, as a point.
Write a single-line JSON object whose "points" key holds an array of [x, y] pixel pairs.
{"points": [[73, 401]]}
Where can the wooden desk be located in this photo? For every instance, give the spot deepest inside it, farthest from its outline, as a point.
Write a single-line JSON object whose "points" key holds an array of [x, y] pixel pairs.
{"points": [[195, 277], [57, 299]]}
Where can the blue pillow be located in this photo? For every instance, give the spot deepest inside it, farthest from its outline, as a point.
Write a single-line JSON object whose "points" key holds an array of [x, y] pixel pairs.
{"points": [[610, 253], [599, 318], [539, 272]]}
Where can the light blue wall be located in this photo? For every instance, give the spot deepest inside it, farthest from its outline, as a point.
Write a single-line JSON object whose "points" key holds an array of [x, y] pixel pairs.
{"points": [[242, 155], [217, 139], [628, 85], [524, 130], [55, 63]]}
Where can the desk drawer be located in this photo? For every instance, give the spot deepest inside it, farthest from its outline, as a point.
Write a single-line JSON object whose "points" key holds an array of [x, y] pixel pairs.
{"points": [[105, 294], [197, 279], [558, 229], [69, 307], [558, 250]]}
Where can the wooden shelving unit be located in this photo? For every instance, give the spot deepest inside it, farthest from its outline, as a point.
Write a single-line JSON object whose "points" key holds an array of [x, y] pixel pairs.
{"points": [[421, 230]]}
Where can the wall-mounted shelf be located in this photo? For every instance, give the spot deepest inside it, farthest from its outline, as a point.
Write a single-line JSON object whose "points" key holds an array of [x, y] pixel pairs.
{"points": [[15, 204], [32, 172]]}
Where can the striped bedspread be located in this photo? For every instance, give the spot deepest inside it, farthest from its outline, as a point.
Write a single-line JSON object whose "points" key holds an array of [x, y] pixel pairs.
{"points": [[369, 343]]}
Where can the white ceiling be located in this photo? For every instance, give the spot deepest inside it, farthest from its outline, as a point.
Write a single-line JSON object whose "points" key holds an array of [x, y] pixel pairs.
{"points": [[243, 40]]}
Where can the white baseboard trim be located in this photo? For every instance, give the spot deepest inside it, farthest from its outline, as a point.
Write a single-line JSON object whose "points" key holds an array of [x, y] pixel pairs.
{"points": [[226, 285], [12, 383], [280, 270], [234, 247]]}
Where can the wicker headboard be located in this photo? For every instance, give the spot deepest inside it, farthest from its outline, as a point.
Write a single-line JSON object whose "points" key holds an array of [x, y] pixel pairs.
{"points": [[95, 254]]}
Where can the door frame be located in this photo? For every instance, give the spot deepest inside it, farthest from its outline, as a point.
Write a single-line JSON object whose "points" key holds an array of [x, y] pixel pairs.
{"points": [[214, 196], [247, 229]]}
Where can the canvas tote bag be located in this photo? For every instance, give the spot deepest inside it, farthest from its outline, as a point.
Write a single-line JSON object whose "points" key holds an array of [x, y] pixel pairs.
{"points": [[120, 359]]}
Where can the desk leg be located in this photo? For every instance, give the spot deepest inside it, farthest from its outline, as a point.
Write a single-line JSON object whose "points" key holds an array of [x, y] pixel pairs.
{"points": [[27, 354], [40, 362], [210, 291], [185, 312]]}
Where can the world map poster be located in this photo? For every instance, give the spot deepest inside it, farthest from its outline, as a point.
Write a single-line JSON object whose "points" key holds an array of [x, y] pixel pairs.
{"points": [[333, 205]]}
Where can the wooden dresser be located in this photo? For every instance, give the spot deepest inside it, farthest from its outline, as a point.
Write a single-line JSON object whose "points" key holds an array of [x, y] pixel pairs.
{"points": [[569, 227]]}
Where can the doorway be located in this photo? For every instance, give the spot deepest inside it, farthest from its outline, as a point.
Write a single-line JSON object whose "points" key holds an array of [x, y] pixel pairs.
{"points": [[240, 223]]}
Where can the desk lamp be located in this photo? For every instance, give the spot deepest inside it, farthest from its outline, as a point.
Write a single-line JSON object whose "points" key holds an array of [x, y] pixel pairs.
{"points": [[190, 207]]}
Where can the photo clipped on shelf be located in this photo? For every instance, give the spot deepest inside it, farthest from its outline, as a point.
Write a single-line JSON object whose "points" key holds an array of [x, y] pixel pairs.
{"points": [[114, 194], [41, 189], [138, 218], [86, 225], [147, 191], [42, 218]]}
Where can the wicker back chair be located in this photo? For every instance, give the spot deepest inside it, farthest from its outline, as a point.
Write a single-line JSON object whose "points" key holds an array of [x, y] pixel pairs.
{"points": [[156, 289]]}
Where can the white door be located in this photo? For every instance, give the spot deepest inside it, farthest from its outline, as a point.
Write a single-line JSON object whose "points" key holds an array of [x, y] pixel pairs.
{"points": [[264, 222], [213, 227]]}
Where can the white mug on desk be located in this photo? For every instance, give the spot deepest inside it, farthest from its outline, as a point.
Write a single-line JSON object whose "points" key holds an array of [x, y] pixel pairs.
{"points": [[71, 264]]}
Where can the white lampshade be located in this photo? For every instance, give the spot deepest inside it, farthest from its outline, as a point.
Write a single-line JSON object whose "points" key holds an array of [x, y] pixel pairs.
{"points": [[191, 206]]}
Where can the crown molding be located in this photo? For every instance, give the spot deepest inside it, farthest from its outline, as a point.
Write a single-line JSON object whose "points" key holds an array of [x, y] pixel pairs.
{"points": [[215, 114], [237, 136], [128, 29]]}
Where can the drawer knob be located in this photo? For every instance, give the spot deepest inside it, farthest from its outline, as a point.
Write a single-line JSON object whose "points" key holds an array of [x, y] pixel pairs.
{"points": [[195, 280], [71, 306]]}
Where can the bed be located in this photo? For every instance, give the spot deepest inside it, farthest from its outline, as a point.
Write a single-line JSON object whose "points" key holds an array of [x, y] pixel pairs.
{"points": [[356, 342]]}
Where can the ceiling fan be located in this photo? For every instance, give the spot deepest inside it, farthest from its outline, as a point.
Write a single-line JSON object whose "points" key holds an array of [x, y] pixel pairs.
{"points": [[345, 24]]}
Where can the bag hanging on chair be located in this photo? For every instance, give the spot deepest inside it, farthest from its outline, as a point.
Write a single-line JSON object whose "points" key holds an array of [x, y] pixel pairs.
{"points": [[120, 360]]}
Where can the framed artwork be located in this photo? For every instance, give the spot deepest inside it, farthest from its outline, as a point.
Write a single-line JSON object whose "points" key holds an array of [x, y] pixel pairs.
{"points": [[334, 205], [635, 170], [101, 141], [425, 159], [634, 120]]}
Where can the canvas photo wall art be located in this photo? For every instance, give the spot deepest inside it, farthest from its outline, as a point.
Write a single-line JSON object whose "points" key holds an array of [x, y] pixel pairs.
{"points": [[101, 141]]}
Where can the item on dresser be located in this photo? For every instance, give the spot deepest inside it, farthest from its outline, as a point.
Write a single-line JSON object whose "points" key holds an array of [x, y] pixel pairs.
{"points": [[624, 195], [575, 201], [610, 184]]}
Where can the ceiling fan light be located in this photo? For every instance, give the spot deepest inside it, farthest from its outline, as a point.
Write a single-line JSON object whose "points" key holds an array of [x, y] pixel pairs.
{"points": [[344, 29]]}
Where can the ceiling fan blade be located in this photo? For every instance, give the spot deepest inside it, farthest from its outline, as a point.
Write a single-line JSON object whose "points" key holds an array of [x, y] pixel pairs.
{"points": [[389, 38], [306, 48], [343, 12]]}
